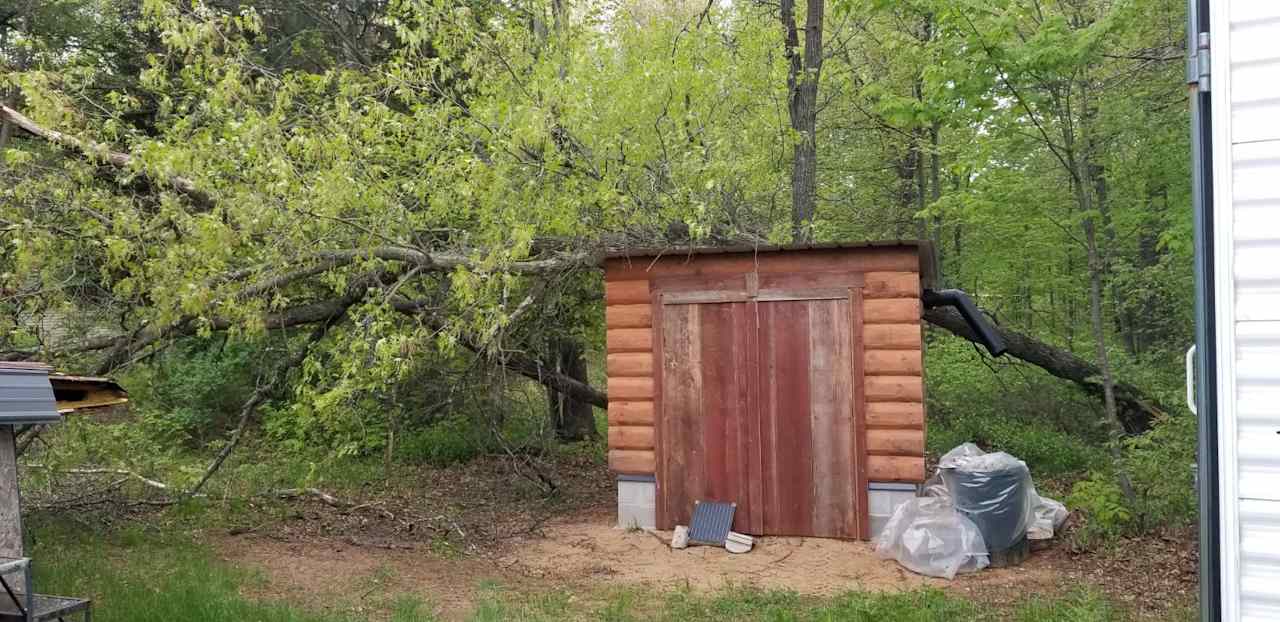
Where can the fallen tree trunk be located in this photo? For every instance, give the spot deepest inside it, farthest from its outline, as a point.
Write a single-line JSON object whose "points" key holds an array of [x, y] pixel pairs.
{"points": [[1135, 409]]}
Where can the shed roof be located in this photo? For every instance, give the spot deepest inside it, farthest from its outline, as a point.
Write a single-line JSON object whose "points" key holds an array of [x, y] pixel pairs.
{"points": [[928, 257], [26, 396], [79, 393]]}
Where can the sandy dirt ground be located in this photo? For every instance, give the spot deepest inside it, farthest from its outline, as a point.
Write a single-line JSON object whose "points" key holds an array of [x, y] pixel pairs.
{"points": [[595, 551], [584, 554]]}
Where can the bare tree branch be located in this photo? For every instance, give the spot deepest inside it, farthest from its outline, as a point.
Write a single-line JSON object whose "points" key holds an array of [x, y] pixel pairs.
{"points": [[97, 152]]}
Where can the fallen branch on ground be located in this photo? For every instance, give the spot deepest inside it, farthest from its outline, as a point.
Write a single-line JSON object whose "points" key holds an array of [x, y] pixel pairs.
{"points": [[259, 396], [158, 485], [1136, 410]]}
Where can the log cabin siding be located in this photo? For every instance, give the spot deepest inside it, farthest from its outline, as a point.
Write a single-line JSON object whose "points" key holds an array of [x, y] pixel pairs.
{"points": [[629, 368], [893, 385], [891, 354]]}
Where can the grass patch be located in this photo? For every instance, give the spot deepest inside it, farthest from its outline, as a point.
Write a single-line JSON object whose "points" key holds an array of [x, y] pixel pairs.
{"points": [[751, 604], [137, 575]]}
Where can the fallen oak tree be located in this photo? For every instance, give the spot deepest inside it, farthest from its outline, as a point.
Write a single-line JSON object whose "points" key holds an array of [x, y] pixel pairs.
{"points": [[1136, 409]]}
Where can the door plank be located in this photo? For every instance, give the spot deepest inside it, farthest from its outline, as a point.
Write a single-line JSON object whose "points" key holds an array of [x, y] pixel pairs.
{"points": [[790, 477], [676, 397]]}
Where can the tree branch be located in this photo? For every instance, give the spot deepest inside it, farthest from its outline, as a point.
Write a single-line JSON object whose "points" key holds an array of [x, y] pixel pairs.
{"points": [[260, 395], [1136, 410], [97, 152]]}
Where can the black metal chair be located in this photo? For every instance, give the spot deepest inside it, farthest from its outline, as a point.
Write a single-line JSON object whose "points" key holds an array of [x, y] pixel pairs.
{"points": [[21, 603]]}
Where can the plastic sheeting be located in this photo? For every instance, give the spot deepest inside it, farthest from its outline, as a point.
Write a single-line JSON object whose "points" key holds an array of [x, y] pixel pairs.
{"points": [[992, 489], [1049, 516], [928, 536], [1045, 515], [934, 535]]}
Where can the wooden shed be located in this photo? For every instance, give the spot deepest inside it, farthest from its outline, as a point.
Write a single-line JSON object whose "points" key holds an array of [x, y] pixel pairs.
{"points": [[788, 380]]}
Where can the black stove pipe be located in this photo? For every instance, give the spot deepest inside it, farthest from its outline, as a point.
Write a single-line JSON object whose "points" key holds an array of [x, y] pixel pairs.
{"points": [[971, 314]]}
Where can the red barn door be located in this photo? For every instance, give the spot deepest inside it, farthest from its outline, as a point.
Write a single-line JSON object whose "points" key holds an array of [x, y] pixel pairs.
{"points": [[758, 406]]}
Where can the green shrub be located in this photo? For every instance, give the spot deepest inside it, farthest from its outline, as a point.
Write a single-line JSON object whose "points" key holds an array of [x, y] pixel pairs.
{"points": [[1047, 452], [1160, 464], [1099, 497], [455, 439], [193, 392]]}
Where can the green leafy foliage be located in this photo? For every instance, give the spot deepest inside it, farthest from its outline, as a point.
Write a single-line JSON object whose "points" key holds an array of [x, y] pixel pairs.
{"points": [[1012, 408], [193, 392], [1162, 464], [1048, 452], [454, 439], [489, 137], [1100, 498]]}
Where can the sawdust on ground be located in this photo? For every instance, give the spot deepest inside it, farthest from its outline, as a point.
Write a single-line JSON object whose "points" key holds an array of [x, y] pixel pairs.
{"points": [[595, 551], [583, 554]]}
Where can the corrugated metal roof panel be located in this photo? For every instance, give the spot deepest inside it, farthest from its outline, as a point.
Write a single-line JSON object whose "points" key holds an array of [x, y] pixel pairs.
{"points": [[26, 396]]}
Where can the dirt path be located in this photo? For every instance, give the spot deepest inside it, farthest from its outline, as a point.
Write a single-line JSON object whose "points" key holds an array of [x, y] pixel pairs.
{"points": [[585, 554]]}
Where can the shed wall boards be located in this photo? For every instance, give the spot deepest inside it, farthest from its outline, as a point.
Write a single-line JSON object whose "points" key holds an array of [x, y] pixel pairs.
{"points": [[786, 381]]}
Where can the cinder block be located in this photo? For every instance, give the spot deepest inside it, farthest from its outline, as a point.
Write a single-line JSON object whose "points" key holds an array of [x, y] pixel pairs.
{"points": [[637, 503], [883, 498]]}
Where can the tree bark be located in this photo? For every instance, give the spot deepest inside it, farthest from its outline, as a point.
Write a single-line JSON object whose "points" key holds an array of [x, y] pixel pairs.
{"points": [[572, 420], [803, 72], [95, 152], [1134, 409]]}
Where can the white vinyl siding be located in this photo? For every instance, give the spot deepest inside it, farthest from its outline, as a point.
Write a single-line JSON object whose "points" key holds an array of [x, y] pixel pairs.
{"points": [[1245, 84]]}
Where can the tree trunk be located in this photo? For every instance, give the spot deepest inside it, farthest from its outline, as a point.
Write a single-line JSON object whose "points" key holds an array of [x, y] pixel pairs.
{"points": [[935, 180], [802, 106], [1080, 174], [1133, 408], [922, 223], [572, 420]]}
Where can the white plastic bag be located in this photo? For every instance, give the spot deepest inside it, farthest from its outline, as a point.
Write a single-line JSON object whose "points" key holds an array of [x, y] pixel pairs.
{"points": [[928, 536], [1049, 516]]}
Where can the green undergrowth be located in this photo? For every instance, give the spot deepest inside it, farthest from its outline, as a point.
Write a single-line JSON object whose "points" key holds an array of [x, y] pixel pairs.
{"points": [[134, 575], [142, 575]]}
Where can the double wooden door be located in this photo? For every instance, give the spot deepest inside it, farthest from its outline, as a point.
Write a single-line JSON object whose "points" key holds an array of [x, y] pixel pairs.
{"points": [[758, 405]]}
